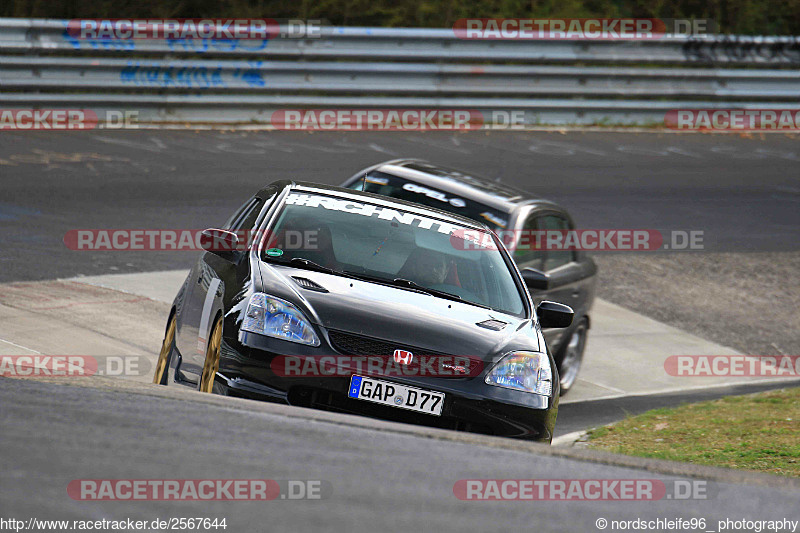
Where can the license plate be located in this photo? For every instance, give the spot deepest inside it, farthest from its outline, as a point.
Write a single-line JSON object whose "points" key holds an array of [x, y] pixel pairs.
{"points": [[396, 395]]}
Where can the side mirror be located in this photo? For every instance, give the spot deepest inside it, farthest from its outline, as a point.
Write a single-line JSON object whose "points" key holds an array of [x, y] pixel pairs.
{"points": [[554, 315], [219, 241], [535, 279]]}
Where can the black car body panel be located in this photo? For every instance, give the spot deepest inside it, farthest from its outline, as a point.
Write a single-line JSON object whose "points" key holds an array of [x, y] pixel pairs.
{"points": [[355, 317], [370, 310]]}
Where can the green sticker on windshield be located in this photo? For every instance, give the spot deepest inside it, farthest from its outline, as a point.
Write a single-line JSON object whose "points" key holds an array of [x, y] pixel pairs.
{"points": [[274, 252]]}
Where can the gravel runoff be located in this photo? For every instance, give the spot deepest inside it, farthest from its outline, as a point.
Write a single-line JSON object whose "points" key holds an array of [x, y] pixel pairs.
{"points": [[747, 301]]}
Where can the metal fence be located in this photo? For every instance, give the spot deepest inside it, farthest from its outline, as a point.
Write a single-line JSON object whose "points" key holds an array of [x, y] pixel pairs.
{"points": [[244, 81]]}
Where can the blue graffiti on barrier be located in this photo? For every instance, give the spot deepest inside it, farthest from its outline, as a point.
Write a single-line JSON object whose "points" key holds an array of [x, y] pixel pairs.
{"points": [[198, 46], [192, 76], [252, 76], [100, 44], [201, 46]]}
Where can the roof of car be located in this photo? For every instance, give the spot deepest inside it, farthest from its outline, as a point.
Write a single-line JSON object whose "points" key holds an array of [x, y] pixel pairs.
{"points": [[492, 193], [380, 199]]}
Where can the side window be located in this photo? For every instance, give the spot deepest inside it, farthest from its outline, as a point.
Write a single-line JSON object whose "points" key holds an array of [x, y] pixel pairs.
{"points": [[249, 216], [556, 258], [526, 254], [245, 216]]}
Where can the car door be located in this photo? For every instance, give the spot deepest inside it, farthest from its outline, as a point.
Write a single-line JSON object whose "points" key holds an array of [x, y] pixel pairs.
{"points": [[569, 271], [205, 289]]}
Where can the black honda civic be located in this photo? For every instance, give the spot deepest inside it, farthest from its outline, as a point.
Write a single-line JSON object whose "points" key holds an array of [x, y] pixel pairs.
{"points": [[348, 301], [562, 275]]}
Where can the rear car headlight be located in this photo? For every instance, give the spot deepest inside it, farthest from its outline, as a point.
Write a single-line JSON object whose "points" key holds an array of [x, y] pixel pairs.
{"points": [[273, 317], [525, 371]]}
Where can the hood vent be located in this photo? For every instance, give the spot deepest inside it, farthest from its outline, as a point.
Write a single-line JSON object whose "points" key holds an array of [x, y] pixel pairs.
{"points": [[308, 284], [495, 325]]}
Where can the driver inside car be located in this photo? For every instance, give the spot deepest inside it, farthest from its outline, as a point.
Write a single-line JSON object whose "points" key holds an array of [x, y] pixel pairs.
{"points": [[425, 267]]}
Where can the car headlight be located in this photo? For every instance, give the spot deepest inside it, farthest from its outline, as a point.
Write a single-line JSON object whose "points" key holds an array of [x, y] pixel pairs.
{"points": [[273, 317], [525, 371]]}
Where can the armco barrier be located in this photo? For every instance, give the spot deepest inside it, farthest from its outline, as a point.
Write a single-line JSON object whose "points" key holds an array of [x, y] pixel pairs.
{"points": [[244, 81]]}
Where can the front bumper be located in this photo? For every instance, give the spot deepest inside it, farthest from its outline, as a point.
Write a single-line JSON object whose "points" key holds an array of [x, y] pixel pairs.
{"points": [[470, 404]]}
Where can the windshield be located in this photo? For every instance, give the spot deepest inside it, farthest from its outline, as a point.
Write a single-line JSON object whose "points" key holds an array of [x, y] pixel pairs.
{"points": [[386, 245], [388, 185]]}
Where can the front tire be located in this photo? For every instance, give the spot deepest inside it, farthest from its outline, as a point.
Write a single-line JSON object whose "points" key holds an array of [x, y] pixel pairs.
{"points": [[161, 375], [211, 365], [572, 357]]}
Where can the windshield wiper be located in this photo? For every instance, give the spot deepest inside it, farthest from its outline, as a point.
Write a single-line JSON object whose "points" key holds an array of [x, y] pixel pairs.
{"points": [[310, 265], [402, 282], [414, 286], [396, 282], [307, 264]]}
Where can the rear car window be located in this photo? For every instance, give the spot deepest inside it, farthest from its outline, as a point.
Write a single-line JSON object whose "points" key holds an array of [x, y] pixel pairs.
{"points": [[395, 187]]}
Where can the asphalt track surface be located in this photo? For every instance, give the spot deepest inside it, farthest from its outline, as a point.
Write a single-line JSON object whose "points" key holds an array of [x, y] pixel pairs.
{"points": [[379, 477], [742, 192]]}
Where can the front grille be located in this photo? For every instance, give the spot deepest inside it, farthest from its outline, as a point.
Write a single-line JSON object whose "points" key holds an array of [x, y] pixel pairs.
{"points": [[350, 344]]}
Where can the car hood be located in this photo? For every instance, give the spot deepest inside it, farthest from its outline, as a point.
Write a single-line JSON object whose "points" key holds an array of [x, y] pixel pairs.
{"points": [[406, 317]]}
